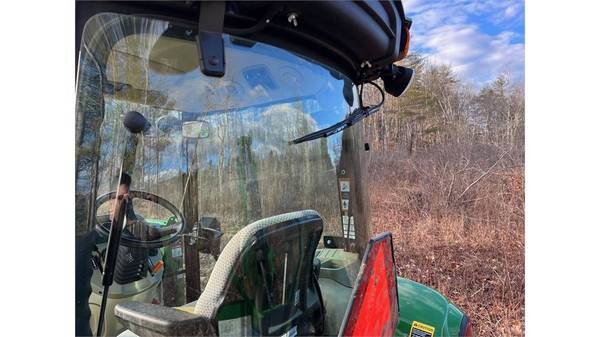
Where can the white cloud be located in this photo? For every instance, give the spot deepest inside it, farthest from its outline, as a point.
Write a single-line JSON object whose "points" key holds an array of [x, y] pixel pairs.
{"points": [[450, 32], [412, 5], [512, 10], [472, 54]]}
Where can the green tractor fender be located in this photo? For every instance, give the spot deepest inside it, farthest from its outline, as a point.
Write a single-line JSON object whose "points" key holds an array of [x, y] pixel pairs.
{"points": [[421, 305]]}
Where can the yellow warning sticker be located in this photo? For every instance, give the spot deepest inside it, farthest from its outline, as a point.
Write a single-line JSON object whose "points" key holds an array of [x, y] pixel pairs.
{"points": [[419, 329]]}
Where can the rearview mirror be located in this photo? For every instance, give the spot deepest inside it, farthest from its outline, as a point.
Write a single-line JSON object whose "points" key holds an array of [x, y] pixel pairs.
{"points": [[168, 123], [196, 129]]}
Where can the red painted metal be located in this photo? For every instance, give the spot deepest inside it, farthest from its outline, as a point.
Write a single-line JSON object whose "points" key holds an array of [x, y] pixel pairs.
{"points": [[374, 308]]}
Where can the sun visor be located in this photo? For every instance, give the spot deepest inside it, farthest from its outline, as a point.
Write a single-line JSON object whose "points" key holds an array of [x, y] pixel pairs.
{"points": [[373, 308]]}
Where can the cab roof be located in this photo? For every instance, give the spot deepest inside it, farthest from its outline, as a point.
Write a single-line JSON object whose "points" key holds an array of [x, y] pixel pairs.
{"points": [[360, 39]]}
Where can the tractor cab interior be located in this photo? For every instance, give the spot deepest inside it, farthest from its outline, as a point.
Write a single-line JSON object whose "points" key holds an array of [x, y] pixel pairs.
{"points": [[224, 225], [219, 148], [265, 274]]}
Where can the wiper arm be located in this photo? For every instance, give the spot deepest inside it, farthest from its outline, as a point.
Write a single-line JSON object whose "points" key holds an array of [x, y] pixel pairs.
{"points": [[357, 115]]}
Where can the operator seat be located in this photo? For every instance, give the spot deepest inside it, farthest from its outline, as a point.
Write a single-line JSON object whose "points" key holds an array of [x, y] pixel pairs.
{"points": [[263, 283]]}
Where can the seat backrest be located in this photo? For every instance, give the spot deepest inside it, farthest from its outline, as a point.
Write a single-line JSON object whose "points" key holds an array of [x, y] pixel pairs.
{"points": [[263, 282]]}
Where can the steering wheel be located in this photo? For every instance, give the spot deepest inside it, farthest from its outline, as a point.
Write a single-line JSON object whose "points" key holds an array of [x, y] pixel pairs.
{"points": [[175, 224]]}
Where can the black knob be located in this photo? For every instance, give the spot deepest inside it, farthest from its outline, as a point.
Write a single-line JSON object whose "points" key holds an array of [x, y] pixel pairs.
{"points": [[135, 122]]}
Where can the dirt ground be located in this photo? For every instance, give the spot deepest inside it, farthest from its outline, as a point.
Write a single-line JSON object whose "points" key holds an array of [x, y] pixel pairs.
{"points": [[477, 264]]}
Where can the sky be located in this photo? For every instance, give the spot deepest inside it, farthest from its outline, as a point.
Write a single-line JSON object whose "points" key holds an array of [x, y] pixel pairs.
{"points": [[479, 39]]}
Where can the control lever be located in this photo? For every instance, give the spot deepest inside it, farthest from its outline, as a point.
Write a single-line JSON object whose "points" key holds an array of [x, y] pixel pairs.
{"points": [[112, 249], [136, 124]]}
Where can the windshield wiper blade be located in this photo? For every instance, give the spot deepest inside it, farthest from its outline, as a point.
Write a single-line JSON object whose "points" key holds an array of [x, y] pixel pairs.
{"points": [[357, 115]]}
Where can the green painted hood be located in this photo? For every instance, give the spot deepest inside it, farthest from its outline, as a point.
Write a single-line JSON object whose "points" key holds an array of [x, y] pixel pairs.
{"points": [[420, 303]]}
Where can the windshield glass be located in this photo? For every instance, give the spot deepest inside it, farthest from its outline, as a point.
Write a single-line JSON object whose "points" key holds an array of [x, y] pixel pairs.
{"points": [[216, 148]]}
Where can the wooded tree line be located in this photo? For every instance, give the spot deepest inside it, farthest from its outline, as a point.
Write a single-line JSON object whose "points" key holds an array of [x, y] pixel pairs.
{"points": [[439, 108], [446, 177], [449, 148]]}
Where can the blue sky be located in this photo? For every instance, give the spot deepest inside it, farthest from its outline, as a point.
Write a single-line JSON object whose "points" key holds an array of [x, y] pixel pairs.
{"points": [[479, 39]]}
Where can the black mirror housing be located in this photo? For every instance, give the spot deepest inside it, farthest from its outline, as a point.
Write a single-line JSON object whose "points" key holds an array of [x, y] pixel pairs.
{"points": [[397, 80]]}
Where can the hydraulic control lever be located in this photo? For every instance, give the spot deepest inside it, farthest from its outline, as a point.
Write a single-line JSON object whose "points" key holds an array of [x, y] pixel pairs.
{"points": [[136, 124], [112, 249]]}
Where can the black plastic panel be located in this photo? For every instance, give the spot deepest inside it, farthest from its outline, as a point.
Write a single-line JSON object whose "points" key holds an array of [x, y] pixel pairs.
{"points": [[340, 34]]}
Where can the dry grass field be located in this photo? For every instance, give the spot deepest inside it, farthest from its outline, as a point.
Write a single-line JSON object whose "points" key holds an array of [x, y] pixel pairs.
{"points": [[468, 245]]}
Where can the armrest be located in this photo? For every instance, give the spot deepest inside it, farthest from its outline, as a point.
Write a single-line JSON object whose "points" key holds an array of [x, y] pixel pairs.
{"points": [[145, 319]]}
